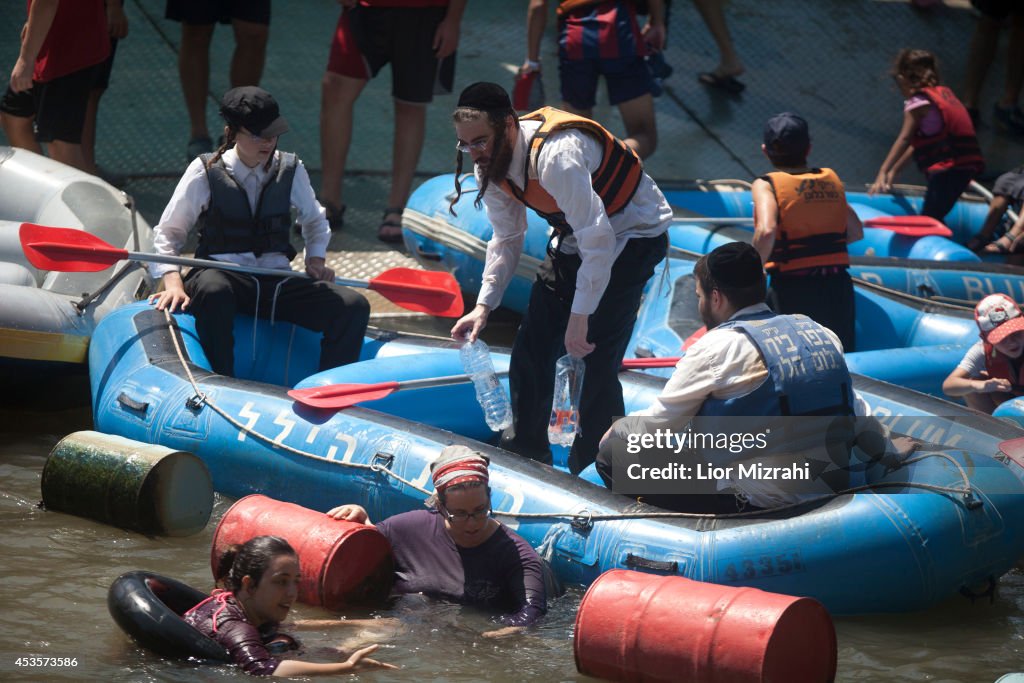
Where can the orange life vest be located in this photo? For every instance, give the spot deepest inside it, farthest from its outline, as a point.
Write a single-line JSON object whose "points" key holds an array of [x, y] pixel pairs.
{"points": [[615, 181], [956, 145], [999, 366], [812, 221]]}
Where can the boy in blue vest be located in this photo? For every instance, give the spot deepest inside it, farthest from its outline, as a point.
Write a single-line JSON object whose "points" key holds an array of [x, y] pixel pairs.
{"points": [[241, 197]]}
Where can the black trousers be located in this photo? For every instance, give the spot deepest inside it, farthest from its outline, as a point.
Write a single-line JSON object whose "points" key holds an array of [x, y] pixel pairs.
{"points": [[540, 342], [826, 299], [340, 313]]}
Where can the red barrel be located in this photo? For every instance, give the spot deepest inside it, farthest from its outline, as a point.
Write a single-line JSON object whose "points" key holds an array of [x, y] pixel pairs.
{"points": [[641, 627], [342, 563]]}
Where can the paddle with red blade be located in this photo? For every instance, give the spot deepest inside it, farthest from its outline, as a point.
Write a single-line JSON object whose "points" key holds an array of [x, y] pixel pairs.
{"points": [[68, 250], [338, 396], [912, 226]]}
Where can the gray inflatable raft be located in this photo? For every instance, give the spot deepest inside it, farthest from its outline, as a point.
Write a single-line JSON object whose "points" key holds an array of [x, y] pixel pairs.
{"points": [[46, 318]]}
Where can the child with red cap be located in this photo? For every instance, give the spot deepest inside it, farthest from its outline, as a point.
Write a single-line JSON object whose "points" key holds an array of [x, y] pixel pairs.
{"points": [[991, 370]]}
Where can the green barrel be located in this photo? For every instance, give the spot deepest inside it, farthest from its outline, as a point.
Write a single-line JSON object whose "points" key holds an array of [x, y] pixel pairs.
{"points": [[138, 486]]}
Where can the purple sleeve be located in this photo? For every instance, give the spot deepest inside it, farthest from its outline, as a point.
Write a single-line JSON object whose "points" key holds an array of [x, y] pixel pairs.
{"points": [[245, 645], [526, 582], [234, 633]]}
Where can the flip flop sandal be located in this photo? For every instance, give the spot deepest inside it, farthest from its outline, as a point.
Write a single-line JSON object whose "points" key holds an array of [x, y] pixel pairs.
{"points": [[999, 246], [389, 230], [727, 84]]}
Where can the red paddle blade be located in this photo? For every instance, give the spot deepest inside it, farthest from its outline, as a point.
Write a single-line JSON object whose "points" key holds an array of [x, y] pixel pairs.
{"points": [[339, 396], [912, 226], [67, 250], [426, 291], [1014, 450], [692, 339], [640, 363]]}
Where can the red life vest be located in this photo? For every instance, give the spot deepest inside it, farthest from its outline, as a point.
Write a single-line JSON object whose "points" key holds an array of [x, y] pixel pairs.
{"points": [[999, 366], [812, 221], [956, 145], [615, 181]]}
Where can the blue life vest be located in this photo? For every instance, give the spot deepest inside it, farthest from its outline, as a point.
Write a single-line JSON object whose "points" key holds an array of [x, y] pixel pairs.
{"points": [[228, 225], [807, 373]]}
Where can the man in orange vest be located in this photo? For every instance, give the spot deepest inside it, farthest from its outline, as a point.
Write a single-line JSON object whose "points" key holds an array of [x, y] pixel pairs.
{"points": [[802, 225], [609, 221]]}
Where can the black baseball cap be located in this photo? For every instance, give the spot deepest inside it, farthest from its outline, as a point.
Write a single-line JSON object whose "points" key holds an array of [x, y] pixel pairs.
{"points": [[254, 109], [786, 135]]}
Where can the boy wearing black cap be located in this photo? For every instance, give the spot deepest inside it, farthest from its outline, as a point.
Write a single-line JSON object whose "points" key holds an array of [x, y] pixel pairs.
{"points": [[241, 198], [609, 221], [802, 225], [743, 366]]}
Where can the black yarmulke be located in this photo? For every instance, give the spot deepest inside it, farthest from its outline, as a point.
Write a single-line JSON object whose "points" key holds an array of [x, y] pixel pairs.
{"points": [[736, 264], [485, 97]]}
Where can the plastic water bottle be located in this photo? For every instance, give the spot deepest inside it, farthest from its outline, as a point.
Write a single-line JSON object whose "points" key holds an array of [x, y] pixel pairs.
{"points": [[476, 362], [565, 413]]}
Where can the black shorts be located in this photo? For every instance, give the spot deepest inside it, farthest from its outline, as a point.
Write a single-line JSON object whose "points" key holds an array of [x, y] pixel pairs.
{"points": [[370, 37], [1011, 185], [205, 12], [998, 9], [58, 105], [102, 75]]}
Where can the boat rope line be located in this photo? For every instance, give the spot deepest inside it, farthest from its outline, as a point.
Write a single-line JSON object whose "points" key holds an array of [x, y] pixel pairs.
{"points": [[582, 518], [897, 294], [200, 399]]}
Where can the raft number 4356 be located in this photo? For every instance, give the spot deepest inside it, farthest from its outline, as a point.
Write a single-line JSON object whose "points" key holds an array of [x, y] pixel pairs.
{"points": [[749, 568]]}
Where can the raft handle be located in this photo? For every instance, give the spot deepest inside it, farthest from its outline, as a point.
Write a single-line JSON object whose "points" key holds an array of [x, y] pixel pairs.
{"points": [[971, 502], [427, 255], [381, 462], [196, 402], [130, 403], [989, 592], [583, 521], [637, 562]]}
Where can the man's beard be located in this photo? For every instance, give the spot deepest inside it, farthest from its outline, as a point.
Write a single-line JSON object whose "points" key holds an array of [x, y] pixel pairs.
{"points": [[704, 308], [496, 166]]}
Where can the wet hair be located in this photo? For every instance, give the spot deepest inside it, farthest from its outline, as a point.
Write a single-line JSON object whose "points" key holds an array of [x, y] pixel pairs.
{"points": [[739, 297], [918, 68], [497, 118], [442, 495], [249, 559]]}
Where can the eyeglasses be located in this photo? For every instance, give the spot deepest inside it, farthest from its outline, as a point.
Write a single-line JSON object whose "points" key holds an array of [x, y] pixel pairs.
{"points": [[475, 146], [461, 517]]}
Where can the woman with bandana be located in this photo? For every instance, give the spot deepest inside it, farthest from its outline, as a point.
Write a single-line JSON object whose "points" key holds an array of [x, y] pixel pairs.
{"points": [[456, 551]]}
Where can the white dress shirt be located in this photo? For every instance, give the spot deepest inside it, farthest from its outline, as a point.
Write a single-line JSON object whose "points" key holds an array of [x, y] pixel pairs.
{"points": [[565, 165], [192, 197]]}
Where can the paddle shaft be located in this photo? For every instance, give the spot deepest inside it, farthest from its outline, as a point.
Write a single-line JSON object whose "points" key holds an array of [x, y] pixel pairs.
{"points": [[234, 267], [716, 221]]}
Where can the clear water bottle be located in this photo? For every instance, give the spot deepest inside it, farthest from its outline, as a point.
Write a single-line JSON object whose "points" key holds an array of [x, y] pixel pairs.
{"points": [[565, 413], [476, 362]]}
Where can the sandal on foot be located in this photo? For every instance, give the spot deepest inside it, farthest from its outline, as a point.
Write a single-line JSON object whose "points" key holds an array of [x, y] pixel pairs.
{"points": [[197, 146], [335, 215], [389, 229], [727, 84], [1003, 245]]}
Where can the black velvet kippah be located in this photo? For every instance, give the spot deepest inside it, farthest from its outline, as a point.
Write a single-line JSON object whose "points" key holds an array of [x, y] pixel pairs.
{"points": [[485, 97], [735, 265]]}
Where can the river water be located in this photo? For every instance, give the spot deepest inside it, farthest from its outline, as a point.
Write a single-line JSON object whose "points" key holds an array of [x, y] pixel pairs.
{"points": [[57, 568]]}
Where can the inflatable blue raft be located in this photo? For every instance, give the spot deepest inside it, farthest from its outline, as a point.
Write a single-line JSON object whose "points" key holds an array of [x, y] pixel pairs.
{"points": [[900, 338], [904, 340], [950, 521]]}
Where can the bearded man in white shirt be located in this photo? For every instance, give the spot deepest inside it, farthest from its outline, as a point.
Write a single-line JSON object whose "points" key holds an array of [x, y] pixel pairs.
{"points": [[609, 223], [241, 198]]}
